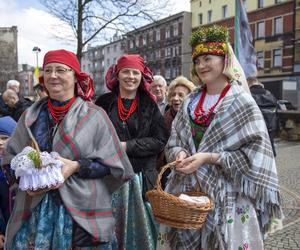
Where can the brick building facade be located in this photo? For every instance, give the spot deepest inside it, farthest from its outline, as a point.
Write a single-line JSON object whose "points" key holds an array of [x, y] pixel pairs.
{"points": [[275, 28], [164, 45]]}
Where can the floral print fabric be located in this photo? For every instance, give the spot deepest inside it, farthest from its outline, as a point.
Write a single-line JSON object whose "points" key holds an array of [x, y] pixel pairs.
{"points": [[241, 230], [49, 227]]}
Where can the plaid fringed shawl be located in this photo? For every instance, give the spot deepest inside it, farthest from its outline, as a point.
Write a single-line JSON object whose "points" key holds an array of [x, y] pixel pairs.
{"points": [[85, 132], [238, 133]]}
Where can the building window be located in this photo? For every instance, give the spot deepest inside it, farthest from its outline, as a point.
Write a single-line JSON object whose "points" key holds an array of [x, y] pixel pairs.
{"points": [[168, 73], [175, 29], [277, 58], [157, 72], [225, 11], [150, 36], [107, 49], [209, 1], [167, 32], [168, 52], [209, 16], [115, 47], [176, 50], [278, 1], [260, 29], [260, 59], [200, 3], [177, 71], [108, 62], [162, 52], [150, 56], [158, 35], [157, 54], [260, 4], [200, 17], [278, 25], [144, 40]]}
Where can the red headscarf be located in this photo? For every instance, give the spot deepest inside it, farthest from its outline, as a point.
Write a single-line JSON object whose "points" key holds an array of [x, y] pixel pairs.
{"points": [[134, 61], [84, 84]]}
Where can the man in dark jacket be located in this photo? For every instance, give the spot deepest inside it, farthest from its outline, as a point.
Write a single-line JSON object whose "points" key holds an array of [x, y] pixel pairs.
{"points": [[267, 103], [15, 106], [15, 86]]}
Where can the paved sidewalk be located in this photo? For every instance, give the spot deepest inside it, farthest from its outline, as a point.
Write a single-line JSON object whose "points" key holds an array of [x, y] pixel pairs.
{"points": [[288, 167]]}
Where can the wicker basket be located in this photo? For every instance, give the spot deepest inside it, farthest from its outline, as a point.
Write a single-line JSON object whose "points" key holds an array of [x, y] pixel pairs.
{"points": [[168, 209]]}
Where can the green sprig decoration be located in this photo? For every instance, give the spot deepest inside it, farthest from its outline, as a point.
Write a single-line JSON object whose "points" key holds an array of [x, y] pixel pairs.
{"points": [[35, 157], [214, 33]]}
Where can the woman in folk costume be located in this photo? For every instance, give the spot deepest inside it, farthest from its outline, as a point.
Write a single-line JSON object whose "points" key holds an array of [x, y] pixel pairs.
{"points": [[76, 214], [140, 127], [220, 138]]}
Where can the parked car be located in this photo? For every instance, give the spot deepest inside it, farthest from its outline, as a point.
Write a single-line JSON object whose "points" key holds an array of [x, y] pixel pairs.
{"points": [[285, 105]]}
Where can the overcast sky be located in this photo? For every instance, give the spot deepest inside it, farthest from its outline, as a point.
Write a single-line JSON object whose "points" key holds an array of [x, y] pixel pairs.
{"points": [[35, 27]]}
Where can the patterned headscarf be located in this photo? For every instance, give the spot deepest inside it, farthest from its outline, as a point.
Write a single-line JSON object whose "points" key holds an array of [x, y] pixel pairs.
{"points": [[214, 40], [84, 85], [133, 61]]}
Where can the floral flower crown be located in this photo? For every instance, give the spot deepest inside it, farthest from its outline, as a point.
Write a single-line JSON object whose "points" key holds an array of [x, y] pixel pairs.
{"points": [[209, 40]]}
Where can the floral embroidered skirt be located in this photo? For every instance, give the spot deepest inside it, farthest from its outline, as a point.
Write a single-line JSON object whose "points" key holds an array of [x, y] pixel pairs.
{"points": [[135, 226], [49, 227], [240, 227]]}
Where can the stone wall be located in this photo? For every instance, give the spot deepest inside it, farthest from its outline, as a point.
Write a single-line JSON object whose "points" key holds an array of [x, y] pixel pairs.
{"points": [[8, 55]]}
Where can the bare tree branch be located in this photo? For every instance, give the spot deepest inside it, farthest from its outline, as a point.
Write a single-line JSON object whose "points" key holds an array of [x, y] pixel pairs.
{"points": [[92, 19]]}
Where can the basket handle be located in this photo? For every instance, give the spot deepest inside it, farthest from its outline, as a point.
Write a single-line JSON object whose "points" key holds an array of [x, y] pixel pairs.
{"points": [[164, 168], [35, 145]]}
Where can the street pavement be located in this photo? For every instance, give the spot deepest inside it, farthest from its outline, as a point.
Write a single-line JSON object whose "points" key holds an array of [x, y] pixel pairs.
{"points": [[288, 167]]}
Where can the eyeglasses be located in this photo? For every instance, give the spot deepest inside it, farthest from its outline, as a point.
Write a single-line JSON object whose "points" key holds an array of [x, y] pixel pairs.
{"points": [[57, 71]]}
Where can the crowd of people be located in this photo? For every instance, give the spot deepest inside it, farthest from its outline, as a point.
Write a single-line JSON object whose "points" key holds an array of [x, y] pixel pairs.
{"points": [[112, 149]]}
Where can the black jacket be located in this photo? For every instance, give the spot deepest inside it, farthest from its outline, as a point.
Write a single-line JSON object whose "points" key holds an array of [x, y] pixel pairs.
{"points": [[267, 103], [148, 134], [18, 109]]}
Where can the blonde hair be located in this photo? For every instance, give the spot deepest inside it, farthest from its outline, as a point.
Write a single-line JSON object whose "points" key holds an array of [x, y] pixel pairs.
{"points": [[180, 81]]}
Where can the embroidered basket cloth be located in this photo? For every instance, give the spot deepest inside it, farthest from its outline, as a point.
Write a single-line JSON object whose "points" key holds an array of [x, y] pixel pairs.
{"points": [[33, 178]]}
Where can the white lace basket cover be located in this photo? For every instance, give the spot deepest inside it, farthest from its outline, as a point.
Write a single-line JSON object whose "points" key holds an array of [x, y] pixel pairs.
{"points": [[32, 178]]}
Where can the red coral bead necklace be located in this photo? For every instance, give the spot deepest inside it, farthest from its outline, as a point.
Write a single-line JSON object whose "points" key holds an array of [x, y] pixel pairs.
{"points": [[123, 112], [201, 116], [59, 112]]}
